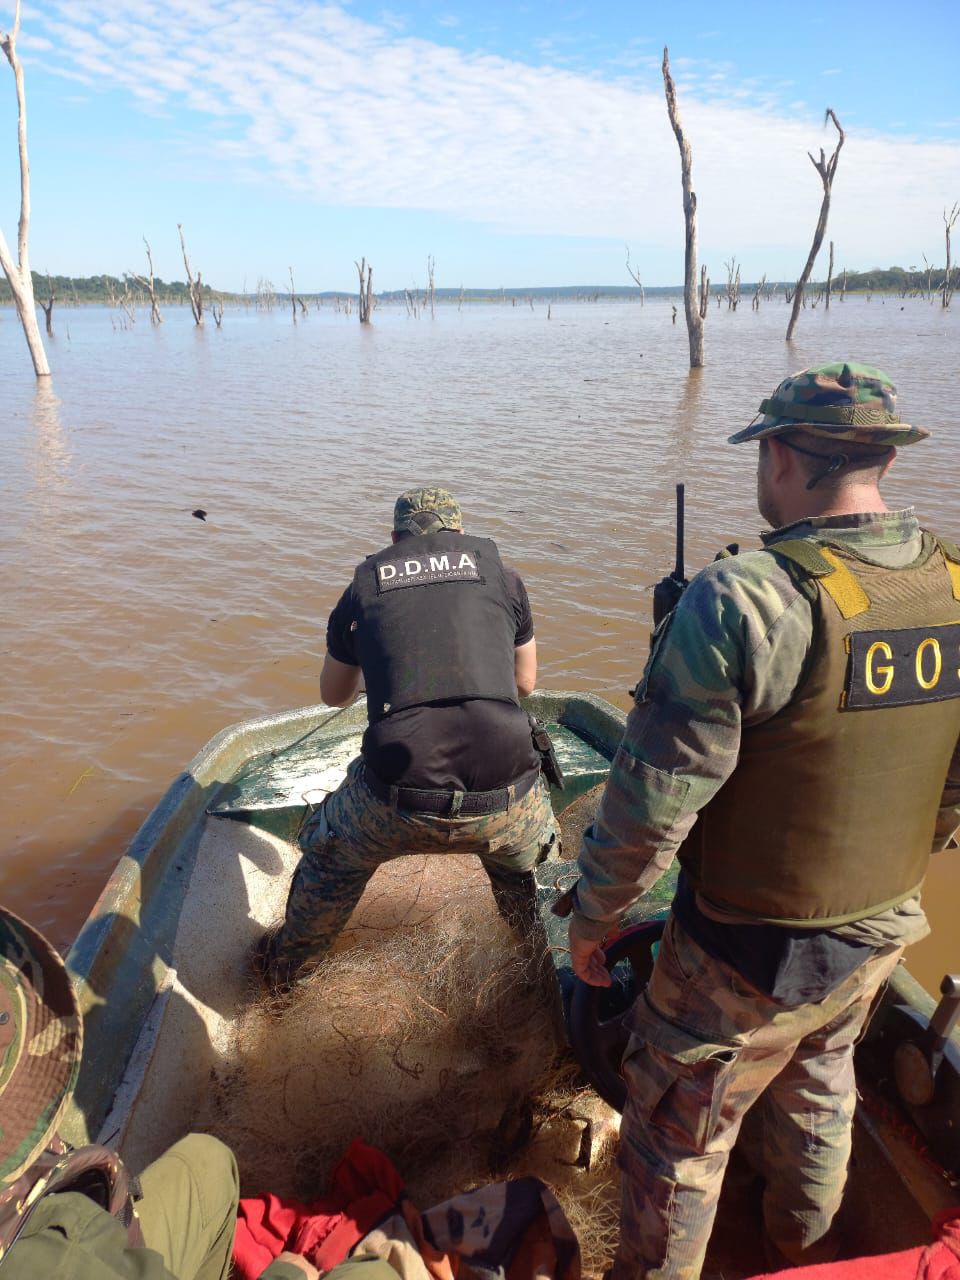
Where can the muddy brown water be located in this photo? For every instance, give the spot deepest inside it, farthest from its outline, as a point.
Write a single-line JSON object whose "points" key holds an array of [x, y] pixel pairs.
{"points": [[132, 631]]}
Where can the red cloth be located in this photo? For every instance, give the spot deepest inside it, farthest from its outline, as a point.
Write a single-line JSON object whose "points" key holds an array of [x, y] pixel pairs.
{"points": [[937, 1261], [364, 1188]]}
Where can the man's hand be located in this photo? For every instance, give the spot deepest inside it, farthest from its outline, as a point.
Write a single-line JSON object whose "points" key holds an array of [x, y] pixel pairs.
{"points": [[587, 959], [298, 1260]]}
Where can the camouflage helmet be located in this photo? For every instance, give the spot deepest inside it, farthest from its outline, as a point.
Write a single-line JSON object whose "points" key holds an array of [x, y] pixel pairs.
{"points": [[838, 401], [41, 1039], [426, 511]]}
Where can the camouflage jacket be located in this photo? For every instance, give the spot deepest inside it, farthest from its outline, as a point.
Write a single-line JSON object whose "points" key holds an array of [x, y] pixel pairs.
{"points": [[730, 654]]}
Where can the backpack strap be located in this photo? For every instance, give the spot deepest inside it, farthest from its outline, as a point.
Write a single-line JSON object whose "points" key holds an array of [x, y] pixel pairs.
{"points": [[831, 573]]}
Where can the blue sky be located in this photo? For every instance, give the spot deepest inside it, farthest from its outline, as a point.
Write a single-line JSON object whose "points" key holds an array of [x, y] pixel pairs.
{"points": [[519, 144]]}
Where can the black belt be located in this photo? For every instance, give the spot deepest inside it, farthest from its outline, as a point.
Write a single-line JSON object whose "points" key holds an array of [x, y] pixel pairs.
{"points": [[444, 803]]}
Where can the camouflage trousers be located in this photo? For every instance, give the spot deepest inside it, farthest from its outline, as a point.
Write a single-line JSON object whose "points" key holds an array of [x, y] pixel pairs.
{"points": [[705, 1046], [353, 832]]}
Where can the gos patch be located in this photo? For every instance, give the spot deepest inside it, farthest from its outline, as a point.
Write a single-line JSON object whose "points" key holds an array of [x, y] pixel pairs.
{"points": [[900, 668]]}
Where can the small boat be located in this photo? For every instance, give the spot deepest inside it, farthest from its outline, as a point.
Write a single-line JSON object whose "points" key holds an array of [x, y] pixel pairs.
{"points": [[162, 968]]}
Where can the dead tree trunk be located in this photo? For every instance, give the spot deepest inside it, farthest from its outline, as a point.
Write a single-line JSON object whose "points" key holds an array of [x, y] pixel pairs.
{"points": [[827, 170], [48, 306], [194, 287], [430, 285], [18, 273], [150, 286], [293, 296], [216, 309], [948, 222], [366, 280], [634, 276], [695, 314], [829, 277], [460, 299], [704, 296], [756, 297], [733, 284], [929, 278]]}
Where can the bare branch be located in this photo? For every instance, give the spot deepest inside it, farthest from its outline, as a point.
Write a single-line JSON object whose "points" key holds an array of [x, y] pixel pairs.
{"points": [[827, 170]]}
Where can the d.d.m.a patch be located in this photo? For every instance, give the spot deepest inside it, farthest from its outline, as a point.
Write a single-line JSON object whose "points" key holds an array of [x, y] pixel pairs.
{"points": [[424, 569], [900, 668]]}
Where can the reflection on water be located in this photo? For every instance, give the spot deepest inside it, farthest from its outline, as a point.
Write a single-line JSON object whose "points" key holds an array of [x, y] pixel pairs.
{"points": [[133, 632]]}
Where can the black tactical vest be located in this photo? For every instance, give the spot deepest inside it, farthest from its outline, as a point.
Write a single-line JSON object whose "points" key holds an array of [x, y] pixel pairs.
{"points": [[435, 623]]}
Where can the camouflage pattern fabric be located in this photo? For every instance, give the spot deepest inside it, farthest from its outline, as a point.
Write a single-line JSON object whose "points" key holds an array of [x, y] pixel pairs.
{"points": [[839, 401], [41, 1042], [730, 654], [353, 832], [426, 511], [704, 1046]]}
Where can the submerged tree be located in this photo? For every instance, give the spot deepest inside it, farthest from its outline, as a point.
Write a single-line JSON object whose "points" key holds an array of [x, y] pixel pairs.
{"points": [[366, 283], [948, 221], [194, 287], [634, 276], [695, 309], [18, 273], [827, 170], [150, 285]]}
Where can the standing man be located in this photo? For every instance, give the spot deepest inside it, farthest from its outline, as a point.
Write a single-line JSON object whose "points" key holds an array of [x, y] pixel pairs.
{"points": [[442, 635], [794, 743]]}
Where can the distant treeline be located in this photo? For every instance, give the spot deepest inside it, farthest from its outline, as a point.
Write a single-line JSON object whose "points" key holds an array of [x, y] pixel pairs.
{"points": [[113, 289], [78, 289]]}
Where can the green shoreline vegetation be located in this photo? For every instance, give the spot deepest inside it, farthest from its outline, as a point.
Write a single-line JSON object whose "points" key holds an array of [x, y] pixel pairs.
{"points": [[105, 289]]}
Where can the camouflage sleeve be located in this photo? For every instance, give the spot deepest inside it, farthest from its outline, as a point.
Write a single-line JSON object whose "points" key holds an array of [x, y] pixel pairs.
{"points": [[730, 653], [948, 816]]}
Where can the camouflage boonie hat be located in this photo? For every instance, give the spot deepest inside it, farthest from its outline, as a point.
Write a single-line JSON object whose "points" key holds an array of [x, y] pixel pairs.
{"points": [[41, 1040], [838, 401], [426, 511]]}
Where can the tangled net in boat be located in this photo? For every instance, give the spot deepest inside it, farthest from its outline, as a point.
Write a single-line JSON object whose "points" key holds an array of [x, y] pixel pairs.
{"points": [[440, 1044]]}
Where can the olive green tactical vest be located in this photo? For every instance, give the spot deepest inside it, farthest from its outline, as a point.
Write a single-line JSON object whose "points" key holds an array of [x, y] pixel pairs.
{"points": [[830, 813]]}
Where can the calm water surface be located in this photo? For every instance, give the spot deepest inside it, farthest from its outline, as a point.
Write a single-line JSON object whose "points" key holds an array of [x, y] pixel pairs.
{"points": [[133, 632]]}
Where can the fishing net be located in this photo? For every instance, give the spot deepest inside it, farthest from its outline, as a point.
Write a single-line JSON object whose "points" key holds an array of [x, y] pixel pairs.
{"points": [[439, 1042]]}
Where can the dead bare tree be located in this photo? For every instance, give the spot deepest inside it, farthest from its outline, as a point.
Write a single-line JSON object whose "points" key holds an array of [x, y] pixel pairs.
{"points": [[48, 305], [929, 278], [460, 300], [150, 286], [18, 273], [843, 285], [634, 276], [695, 314], [366, 281], [194, 287], [755, 304], [733, 284], [948, 286], [827, 170], [293, 296], [829, 277], [216, 310], [431, 263]]}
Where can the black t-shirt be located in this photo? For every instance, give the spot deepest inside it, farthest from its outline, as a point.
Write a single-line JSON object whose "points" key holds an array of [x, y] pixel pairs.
{"points": [[475, 745]]}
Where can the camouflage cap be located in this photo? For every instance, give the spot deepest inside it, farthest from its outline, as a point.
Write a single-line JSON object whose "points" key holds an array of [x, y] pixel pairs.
{"points": [[839, 401], [426, 511], [41, 1039]]}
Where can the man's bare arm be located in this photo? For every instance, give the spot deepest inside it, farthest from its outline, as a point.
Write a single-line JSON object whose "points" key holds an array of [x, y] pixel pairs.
{"points": [[525, 666], [339, 682]]}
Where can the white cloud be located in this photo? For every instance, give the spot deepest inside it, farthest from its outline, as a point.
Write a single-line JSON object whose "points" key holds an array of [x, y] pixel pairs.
{"points": [[355, 113]]}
